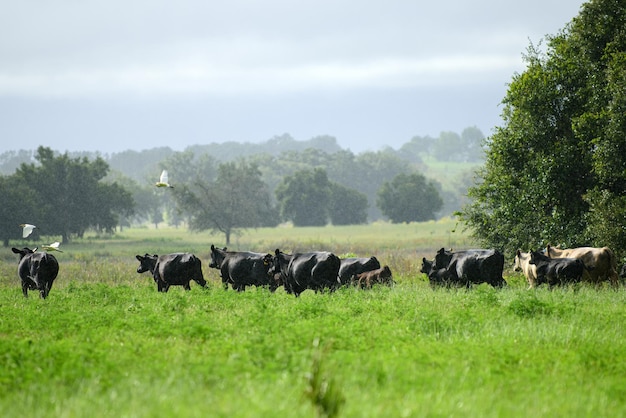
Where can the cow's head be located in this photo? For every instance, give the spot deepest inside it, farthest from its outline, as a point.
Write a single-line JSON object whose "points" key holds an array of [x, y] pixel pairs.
{"points": [[517, 265], [442, 259], [427, 265], [217, 257], [146, 263], [22, 252]]}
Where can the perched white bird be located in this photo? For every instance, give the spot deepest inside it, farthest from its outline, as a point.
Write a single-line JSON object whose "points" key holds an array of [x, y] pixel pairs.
{"points": [[27, 229], [163, 181], [52, 247]]}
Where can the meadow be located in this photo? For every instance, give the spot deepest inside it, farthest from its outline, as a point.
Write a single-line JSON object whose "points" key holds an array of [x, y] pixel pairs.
{"points": [[107, 344]]}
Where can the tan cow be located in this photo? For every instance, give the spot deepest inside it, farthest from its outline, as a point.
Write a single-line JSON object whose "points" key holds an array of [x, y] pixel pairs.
{"points": [[600, 262], [522, 263]]}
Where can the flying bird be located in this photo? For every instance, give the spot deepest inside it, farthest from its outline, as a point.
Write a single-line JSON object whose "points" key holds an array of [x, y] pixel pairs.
{"points": [[163, 181], [27, 229], [52, 247]]}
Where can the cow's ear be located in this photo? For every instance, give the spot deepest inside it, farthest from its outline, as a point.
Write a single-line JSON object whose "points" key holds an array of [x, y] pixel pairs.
{"points": [[15, 250], [441, 251], [138, 257], [212, 247], [518, 252], [277, 251]]}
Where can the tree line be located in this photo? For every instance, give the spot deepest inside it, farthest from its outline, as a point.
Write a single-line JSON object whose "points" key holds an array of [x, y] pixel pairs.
{"points": [[308, 186]]}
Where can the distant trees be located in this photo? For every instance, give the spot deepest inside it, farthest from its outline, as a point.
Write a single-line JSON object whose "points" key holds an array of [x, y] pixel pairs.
{"points": [[62, 196], [236, 198], [409, 198], [308, 198]]}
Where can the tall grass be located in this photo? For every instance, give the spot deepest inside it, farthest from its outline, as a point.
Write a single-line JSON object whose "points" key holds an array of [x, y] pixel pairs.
{"points": [[106, 343]]}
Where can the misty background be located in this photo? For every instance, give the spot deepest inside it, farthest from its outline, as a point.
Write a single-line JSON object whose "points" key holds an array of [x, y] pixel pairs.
{"points": [[113, 76]]}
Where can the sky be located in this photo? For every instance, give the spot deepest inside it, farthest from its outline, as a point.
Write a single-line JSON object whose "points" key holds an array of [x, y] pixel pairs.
{"points": [[115, 75]]}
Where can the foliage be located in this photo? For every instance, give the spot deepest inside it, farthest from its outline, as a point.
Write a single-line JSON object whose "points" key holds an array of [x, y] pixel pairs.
{"points": [[304, 198], [18, 206], [70, 196], [236, 199], [409, 198], [347, 206], [556, 171]]}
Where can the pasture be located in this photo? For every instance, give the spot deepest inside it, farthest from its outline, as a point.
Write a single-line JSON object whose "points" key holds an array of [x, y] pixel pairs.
{"points": [[106, 344]]}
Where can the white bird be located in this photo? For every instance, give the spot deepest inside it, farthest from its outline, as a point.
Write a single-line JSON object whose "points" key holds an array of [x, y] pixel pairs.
{"points": [[163, 181], [52, 247], [27, 229]]}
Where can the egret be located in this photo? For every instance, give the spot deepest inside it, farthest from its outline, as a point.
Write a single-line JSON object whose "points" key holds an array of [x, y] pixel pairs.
{"points": [[27, 229], [163, 180], [52, 247]]}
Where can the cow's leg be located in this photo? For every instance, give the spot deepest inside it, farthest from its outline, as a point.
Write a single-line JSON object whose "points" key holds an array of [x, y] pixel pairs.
{"points": [[25, 288]]}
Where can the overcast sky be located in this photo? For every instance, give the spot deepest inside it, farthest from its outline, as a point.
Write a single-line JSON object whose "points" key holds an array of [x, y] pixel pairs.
{"points": [[122, 74]]}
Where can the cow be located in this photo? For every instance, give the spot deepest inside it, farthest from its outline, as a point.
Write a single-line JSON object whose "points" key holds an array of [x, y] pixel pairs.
{"points": [[242, 269], [367, 279], [176, 269], [522, 263], [600, 263], [352, 266], [37, 270], [556, 271], [317, 270], [622, 272], [440, 277], [472, 266]]}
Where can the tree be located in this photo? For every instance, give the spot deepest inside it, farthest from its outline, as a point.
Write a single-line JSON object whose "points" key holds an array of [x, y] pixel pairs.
{"points": [[70, 196], [347, 206], [304, 197], [237, 198], [19, 205], [409, 198], [556, 171]]}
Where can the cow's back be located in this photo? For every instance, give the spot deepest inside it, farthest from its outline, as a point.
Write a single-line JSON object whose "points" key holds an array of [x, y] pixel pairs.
{"points": [[179, 268]]}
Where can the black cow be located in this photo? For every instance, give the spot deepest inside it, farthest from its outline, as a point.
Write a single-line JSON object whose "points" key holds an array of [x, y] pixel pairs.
{"points": [[242, 269], [557, 271], [472, 266], [37, 271], [176, 269], [316, 270], [440, 277], [352, 266]]}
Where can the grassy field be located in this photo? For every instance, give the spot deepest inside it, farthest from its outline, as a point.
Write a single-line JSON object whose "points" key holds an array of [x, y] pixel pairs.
{"points": [[106, 344]]}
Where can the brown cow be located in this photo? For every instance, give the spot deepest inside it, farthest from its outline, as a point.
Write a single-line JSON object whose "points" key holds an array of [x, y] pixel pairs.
{"points": [[369, 278], [600, 262]]}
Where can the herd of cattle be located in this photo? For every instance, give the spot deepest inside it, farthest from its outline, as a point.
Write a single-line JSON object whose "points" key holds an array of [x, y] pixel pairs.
{"points": [[324, 271]]}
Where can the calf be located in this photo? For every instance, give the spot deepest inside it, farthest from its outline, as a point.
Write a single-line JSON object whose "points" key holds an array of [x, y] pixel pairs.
{"points": [[37, 271], [351, 266], [522, 263], [176, 269], [556, 271], [369, 278], [439, 277]]}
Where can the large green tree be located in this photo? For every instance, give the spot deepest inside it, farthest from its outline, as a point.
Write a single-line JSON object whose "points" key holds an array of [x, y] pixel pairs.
{"points": [[556, 170], [409, 198], [70, 196]]}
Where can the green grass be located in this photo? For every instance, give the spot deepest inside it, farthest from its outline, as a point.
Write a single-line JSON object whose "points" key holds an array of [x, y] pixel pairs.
{"points": [[106, 344]]}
